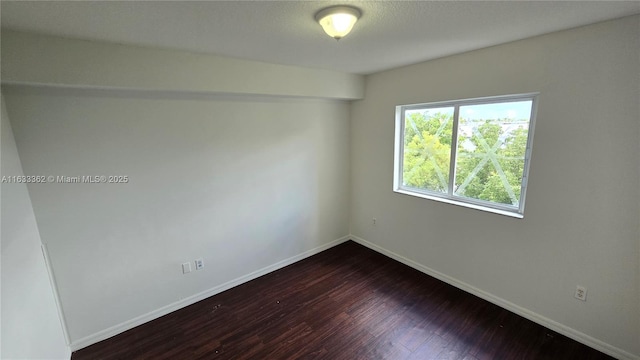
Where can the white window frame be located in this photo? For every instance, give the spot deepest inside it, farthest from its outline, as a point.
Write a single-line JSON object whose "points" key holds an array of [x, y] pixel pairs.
{"points": [[449, 197]]}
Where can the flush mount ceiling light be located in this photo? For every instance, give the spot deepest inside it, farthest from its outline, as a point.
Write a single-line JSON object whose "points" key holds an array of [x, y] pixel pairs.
{"points": [[337, 21]]}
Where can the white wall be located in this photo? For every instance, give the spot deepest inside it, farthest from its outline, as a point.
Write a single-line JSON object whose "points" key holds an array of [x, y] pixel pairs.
{"points": [[581, 219], [39, 59], [241, 163], [242, 182], [31, 327]]}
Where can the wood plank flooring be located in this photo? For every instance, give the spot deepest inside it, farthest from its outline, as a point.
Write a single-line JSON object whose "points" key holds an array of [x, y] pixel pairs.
{"points": [[349, 303]]}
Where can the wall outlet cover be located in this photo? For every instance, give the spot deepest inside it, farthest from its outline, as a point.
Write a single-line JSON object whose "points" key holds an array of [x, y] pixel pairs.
{"points": [[581, 293], [199, 264]]}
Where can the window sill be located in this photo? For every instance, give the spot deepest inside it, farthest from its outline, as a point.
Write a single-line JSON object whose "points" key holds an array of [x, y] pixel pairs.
{"points": [[461, 203]]}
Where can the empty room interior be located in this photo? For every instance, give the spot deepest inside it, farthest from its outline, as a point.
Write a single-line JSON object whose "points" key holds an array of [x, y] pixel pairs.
{"points": [[454, 180]]}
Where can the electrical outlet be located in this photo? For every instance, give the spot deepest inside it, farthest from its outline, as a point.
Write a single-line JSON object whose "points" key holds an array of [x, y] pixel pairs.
{"points": [[186, 268], [581, 293], [199, 264]]}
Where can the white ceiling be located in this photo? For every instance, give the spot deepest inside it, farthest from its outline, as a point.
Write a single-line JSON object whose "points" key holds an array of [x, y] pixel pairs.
{"points": [[389, 34]]}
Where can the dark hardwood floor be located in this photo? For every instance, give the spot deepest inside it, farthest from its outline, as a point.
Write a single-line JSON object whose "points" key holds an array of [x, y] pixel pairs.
{"points": [[345, 303]]}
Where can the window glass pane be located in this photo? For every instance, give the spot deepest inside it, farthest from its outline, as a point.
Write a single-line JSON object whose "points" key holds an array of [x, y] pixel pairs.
{"points": [[427, 148], [492, 142]]}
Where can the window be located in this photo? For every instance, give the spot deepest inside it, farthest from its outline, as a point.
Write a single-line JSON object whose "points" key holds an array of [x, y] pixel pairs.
{"points": [[473, 152]]}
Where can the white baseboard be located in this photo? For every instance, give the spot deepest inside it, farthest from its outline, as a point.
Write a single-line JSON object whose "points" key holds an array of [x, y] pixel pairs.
{"points": [[537, 318], [130, 324]]}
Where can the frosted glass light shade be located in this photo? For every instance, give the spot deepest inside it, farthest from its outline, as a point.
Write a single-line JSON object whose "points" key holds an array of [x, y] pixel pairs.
{"points": [[337, 21]]}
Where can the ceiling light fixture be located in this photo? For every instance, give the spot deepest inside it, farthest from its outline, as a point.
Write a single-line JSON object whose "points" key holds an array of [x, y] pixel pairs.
{"points": [[337, 21]]}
